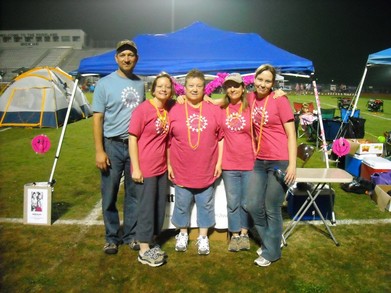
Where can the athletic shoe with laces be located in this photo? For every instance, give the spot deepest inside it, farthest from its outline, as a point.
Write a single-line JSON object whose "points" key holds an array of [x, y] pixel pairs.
{"points": [[203, 245], [151, 258], [244, 242], [134, 245], [181, 241], [234, 244], [259, 250], [158, 250], [110, 248], [262, 262]]}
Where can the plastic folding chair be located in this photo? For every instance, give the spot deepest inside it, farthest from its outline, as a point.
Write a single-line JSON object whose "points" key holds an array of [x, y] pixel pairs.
{"points": [[304, 153]]}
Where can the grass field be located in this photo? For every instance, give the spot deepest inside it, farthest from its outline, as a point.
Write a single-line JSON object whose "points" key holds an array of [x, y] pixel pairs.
{"points": [[67, 257]]}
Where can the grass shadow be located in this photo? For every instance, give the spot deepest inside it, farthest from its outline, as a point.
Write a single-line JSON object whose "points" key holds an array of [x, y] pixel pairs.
{"points": [[59, 209]]}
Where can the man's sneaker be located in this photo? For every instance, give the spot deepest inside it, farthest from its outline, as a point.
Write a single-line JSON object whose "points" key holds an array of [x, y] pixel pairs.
{"points": [[134, 245], [234, 244], [156, 248], [110, 248], [203, 245], [262, 262], [244, 243], [181, 241], [151, 258], [259, 251]]}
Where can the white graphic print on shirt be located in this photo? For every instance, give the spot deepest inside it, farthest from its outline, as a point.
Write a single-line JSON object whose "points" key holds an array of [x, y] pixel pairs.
{"points": [[235, 122], [130, 97], [194, 124]]}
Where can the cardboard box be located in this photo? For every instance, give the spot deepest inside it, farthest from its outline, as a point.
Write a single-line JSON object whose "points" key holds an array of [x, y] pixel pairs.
{"points": [[325, 202], [371, 165], [381, 197], [362, 146], [213, 234]]}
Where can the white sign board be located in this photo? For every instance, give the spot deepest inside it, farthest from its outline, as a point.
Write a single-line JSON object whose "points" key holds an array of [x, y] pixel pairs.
{"points": [[37, 203], [220, 208]]}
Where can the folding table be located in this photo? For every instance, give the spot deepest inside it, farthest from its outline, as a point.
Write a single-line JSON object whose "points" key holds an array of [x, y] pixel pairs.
{"points": [[320, 177]]}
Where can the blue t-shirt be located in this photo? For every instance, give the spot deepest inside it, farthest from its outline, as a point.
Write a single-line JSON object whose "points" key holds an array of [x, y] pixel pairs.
{"points": [[116, 97]]}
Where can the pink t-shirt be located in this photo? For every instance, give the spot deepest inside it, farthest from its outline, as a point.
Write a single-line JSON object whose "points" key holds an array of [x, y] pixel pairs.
{"points": [[274, 141], [152, 134], [194, 161], [238, 153]]}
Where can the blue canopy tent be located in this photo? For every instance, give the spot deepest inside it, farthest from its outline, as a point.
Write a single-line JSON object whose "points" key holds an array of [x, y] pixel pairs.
{"points": [[376, 59], [203, 47], [380, 58], [208, 49]]}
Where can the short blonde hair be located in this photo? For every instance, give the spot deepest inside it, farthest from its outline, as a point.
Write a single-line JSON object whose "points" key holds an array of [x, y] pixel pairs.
{"points": [[195, 73]]}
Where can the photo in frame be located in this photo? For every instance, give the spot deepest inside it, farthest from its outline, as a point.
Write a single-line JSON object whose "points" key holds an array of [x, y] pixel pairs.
{"points": [[37, 203]]}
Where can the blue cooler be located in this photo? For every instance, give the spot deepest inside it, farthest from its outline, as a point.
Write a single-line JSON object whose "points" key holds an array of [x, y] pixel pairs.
{"points": [[325, 202], [353, 163]]}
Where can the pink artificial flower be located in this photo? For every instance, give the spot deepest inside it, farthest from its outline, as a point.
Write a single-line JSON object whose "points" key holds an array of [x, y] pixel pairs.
{"points": [[213, 85]]}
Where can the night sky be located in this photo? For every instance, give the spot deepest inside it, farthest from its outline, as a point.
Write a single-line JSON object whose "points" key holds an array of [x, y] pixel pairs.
{"points": [[337, 35]]}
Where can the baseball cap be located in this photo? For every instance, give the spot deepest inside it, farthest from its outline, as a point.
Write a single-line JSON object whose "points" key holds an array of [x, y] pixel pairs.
{"points": [[236, 77], [126, 45]]}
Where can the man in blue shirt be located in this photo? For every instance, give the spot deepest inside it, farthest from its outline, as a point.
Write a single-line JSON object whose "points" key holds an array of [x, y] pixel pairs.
{"points": [[115, 97]]}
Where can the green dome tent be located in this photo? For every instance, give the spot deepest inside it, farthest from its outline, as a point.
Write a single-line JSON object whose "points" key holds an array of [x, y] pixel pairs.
{"points": [[40, 98]]}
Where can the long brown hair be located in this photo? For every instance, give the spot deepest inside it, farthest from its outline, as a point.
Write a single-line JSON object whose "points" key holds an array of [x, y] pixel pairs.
{"points": [[243, 98]]}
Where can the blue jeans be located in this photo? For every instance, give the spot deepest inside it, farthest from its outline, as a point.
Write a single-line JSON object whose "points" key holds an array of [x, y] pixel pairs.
{"points": [[118, 153], [236, 185], [204, 200], [264, 200]]}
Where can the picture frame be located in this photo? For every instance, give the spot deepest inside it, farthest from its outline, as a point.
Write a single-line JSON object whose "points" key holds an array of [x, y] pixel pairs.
{"points": [[37, 203]]}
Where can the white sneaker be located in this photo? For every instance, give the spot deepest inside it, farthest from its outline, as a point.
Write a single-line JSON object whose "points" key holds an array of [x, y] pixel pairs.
{"points": [[181, 241], [262, 262], [203, 245], [259, 251]]}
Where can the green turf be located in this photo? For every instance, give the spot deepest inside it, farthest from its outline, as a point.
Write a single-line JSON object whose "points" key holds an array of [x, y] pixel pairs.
{"points": [[69, 258]]}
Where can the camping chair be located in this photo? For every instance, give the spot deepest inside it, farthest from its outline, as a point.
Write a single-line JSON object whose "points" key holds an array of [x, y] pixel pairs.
{"points": [[298, 106], [328, 113], [329, 124], [375, 105], [344, 103], [304, 119]]}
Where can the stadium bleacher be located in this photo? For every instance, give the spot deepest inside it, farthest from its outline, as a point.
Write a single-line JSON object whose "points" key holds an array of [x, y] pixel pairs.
{"points": [[15, 60]]}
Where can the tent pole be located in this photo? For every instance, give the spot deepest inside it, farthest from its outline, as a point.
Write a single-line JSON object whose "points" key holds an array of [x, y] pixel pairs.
{"points": [[356, 98], [320, 121], [64, 127]]}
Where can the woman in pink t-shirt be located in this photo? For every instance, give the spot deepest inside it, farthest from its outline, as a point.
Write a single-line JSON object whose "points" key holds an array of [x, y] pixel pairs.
{"points": [[194, 160], [274, 141], [148, 131], [238, 159]]}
